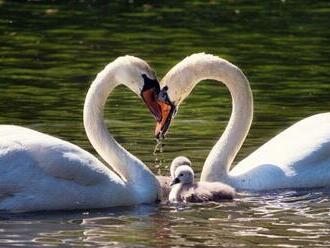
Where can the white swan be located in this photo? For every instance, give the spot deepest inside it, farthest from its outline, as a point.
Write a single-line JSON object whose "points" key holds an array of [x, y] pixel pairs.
{"points": [[41, 172], [299, 157]]}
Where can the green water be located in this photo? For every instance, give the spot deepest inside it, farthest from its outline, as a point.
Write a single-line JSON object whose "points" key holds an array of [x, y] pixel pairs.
{"points": [[50, 51]]}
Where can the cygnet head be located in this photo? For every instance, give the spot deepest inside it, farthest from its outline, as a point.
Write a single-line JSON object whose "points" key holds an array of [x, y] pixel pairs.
{"points": [[177, 162], [184, 175]]}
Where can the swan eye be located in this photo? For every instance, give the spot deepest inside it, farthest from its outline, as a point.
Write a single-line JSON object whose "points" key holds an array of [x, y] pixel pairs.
{"points": [[150, 84], [181, 175]]}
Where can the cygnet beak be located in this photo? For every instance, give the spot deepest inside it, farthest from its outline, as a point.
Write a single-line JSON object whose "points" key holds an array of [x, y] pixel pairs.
{"points": [[175, 181]]}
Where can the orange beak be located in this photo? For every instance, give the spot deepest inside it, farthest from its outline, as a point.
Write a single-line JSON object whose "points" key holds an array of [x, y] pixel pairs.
{"points": [[149, 97], [167, 111]]}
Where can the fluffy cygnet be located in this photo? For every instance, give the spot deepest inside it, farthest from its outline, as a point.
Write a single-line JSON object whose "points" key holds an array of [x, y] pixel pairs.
{"points": [[185, 190], [165, 181]]}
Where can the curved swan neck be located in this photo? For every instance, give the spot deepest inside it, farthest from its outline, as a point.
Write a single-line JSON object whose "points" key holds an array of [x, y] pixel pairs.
{"points": [[184, 77], [130, 168], [222, 155]]}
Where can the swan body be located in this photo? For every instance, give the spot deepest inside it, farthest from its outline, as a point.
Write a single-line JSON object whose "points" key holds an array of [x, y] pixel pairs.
{"points": [[299, 157], [185, 190], [41, 172]]}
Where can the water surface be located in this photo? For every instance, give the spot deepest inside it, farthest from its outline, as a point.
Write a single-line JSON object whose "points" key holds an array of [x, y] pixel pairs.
{"points": [[51, 51]]}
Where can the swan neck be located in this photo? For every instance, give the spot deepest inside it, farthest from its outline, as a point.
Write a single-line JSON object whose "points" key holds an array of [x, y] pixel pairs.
{"points": [[222, 155], [133, 172], [180, 81], [95, 128]]}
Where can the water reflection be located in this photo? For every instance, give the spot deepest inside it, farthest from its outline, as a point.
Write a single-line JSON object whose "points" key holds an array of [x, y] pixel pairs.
{"points": [[249, 220], [51, 51]]}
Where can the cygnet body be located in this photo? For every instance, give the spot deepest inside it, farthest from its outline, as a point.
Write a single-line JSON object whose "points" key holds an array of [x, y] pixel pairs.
{"points": [[185, 190]]}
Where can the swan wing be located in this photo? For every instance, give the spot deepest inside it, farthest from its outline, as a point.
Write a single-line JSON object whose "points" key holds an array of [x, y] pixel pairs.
{"points": [[49, 155], [39, 171]]}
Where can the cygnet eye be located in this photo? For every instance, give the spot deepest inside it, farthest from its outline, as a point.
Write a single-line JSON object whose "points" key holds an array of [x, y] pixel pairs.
{"points": [[181, 175]]}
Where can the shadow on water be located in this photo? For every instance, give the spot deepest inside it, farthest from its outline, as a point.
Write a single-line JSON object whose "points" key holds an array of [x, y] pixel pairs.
{"points": [[133, 211]]}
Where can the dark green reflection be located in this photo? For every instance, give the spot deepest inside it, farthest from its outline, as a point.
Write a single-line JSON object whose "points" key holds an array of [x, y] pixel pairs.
{"points": [[51, 51]]}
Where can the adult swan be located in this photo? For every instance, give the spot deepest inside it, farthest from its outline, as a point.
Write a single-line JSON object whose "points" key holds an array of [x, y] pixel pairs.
{"points": [[41, 172], [299, 157]]}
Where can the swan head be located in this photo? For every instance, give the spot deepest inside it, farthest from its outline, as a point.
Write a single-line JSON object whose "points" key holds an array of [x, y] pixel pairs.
{"points": [[141, 79], [177, 85], [168, 110], [177, 162], [184, 175]]}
